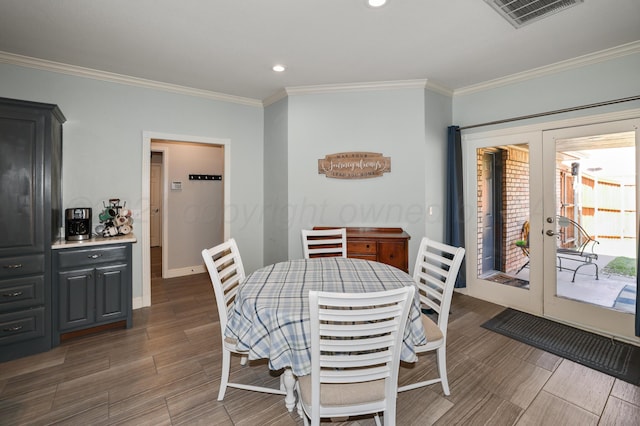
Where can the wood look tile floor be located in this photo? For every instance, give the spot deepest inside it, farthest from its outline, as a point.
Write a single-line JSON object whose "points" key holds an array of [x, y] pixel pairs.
{"points": [[166, 369]]}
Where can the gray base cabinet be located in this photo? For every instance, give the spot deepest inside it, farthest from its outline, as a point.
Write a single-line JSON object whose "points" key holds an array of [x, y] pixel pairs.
{"points": [[92, 287]]}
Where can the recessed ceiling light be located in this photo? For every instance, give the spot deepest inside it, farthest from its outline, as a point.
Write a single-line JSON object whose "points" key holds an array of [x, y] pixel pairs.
{"points": [[279, 68], [376, 3]]}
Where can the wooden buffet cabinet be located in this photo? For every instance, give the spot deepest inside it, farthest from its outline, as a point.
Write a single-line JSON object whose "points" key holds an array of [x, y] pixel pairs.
{"points": [[386, 245]]}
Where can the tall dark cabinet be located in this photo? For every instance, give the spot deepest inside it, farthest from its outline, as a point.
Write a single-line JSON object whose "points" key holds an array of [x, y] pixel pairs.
{"points": [[30, 221]]}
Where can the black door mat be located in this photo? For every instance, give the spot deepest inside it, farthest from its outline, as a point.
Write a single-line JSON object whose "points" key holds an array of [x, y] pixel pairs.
{"points": [[617, 359]]}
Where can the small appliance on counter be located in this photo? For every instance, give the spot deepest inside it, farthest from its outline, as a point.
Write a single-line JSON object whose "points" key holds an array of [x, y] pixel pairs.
{"points": [[77, 224]]}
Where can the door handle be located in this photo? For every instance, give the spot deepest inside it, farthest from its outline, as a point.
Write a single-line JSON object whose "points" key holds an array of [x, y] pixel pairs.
{"points": [[551, 233]]}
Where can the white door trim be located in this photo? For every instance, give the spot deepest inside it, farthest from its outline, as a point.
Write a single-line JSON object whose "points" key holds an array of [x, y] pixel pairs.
{"points": [[147, 136], [162, 196]]}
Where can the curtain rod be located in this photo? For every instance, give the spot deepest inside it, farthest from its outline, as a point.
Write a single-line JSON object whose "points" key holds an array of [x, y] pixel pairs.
{"points": [[558, 111]]}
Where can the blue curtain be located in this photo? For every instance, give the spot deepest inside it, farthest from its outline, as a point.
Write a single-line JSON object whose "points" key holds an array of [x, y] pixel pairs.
{"points": [[454, 209]]}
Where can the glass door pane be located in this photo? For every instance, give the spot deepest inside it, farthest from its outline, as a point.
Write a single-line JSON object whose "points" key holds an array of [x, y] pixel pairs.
{"points": [[503, 214], [590, 226], [596, 219], [499, 199]]}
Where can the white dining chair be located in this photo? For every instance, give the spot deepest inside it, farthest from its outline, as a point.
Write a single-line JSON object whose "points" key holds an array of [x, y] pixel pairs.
{"points": [[435, 274], [355, 354], [226, 272], [324, 242]]}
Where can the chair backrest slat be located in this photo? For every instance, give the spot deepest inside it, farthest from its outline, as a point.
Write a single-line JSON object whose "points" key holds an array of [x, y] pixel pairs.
{"points": [[324, 242], [226, 272], [435, 273]]}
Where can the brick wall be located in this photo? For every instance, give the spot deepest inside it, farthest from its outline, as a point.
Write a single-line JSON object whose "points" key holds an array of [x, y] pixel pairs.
{"points": [[515, 205]]}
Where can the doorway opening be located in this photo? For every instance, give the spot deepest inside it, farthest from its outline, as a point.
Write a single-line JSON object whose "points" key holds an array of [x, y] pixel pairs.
{"points": [[503, 186], [193, 212], [156, 197]]}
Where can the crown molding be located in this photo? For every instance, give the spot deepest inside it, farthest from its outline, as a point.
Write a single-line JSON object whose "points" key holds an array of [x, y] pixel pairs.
{"points": [[281, 94], [356, 87], [42, 64], [604, 55], [443, 90], [580, 61]]}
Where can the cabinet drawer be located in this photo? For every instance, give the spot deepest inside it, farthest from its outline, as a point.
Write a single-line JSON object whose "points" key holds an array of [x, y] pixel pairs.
{"points": [[364, 247], [89, 257], [21, 325], [363, 256], [394, 254], [19, 293], [21, 265]]}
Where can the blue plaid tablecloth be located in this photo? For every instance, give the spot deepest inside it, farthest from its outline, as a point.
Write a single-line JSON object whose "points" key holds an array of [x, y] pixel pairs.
{"points": [[270, 316]]}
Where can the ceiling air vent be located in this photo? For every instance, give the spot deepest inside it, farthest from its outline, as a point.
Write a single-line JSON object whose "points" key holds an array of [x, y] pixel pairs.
{"points": [[522, 12]]}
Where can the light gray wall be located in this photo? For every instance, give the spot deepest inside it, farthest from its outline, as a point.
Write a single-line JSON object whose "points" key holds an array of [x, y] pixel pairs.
{"points": [[276, 225], [598, 82], [103, 139], [103, 135], [195, 213], [437, 119], [391, 122]]}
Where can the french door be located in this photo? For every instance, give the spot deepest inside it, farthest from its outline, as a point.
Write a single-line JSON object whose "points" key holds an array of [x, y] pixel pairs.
{"points": [[502, 200], [589, 226], [551, 222]]}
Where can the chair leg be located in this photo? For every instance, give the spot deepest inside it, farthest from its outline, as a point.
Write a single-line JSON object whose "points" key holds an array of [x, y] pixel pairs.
{"points": [[376, 417], [301, 411], [389, 417], [224, 376], [442, 369]]}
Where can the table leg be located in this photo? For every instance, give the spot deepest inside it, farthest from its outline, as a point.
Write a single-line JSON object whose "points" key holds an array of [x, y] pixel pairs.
{"points": [[288, 381]]}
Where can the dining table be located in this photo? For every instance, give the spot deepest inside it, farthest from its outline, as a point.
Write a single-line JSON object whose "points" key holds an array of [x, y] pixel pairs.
{"points": [[270, 315]]}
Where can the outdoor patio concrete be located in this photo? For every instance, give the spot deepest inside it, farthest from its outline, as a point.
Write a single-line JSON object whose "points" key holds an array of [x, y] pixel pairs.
{"points": [[601, 292]]}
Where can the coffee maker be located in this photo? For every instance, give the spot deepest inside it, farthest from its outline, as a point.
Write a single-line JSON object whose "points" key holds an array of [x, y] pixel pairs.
{"points": [[77, 224]]}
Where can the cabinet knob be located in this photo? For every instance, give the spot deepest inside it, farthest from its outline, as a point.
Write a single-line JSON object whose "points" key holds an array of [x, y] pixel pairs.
{"points": [[94, 256], [14, 328], [14, 294]]}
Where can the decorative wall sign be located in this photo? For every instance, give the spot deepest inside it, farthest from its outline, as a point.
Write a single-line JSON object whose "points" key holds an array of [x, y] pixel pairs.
{"points": [[354, 165]]}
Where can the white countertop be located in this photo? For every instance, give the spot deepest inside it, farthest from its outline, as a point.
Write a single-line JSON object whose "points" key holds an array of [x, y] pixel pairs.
{"points": [[94, 241]]}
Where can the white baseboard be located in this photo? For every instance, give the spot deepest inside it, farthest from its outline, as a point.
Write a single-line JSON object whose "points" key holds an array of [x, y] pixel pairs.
{"points": [[183, 272], [137, 303]]}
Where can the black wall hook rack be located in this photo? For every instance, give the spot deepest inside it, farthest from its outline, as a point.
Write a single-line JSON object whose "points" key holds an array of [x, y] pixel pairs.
{"points": [[205, 177]]}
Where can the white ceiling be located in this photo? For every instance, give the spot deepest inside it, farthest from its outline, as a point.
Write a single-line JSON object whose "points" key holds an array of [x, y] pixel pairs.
{"points": [[229, 46]]}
